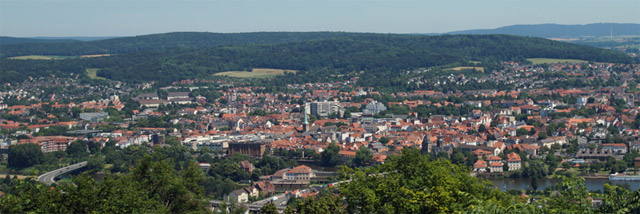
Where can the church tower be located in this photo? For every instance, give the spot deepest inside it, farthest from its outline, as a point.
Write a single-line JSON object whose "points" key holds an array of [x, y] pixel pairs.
{"points": [[426, 145], [305, 124]]}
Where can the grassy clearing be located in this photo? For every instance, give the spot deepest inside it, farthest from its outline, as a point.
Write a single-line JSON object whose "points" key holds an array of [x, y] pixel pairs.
{"points": [[464, 68], [42, 57], [537, 61], [255, 73], [93, 73], [94, 55], [21, 177]]}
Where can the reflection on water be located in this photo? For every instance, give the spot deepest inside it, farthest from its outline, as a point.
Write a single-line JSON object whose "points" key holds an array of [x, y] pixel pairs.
{"points": [[525, 183]]}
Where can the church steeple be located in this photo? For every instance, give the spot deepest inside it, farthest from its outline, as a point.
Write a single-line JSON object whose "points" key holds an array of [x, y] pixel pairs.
{"points": [[305, 124], [426, 145]]}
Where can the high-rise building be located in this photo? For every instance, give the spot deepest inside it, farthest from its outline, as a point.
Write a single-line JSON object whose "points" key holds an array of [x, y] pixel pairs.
{"points": [[323, 108]]}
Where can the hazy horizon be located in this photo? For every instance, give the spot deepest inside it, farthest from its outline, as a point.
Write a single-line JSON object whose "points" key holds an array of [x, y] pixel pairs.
{"points": [[100, 18]]}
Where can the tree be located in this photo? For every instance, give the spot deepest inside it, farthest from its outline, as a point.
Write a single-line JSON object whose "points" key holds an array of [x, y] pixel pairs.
{"points": [[363, 156], [77, 149], [384, 140], [412, 183], [24, 155], [96, 163], [321, 204], [572, 195], [482, 129], [7, 180], [330, 156], [620, 200], [270, 208]]}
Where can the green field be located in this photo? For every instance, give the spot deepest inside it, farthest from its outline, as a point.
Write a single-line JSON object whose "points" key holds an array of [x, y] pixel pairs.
{"points": [[537, 61], [255, 73], [93, 73], [42, 57], [464, 68]]}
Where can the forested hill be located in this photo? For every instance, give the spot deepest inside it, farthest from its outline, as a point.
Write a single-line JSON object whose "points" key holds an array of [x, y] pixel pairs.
{"points": [[559, 31], [380, 56], [158, 42]]}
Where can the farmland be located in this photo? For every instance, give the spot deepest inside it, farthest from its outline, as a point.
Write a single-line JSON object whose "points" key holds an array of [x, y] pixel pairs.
{"points": [[42, 57], [464, 68], [92, 73], [538, 61], [255, 73]]}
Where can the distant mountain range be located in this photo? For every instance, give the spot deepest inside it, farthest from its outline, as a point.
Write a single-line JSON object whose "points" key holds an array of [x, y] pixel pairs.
{"points": [[561, 31], [536, 30]]}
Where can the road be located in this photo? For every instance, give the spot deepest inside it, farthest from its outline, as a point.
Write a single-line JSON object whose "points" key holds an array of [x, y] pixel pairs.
{"points": [[49, 177], [281, 201]]}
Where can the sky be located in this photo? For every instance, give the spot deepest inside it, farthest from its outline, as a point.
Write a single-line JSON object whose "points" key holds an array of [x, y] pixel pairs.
{"points": [[59, 18]]}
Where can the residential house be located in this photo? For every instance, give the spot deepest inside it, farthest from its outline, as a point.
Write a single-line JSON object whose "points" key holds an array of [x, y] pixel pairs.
{"points": [[246, 166], [265, 187], [548, 142], [480, 166], [513, 161], [496, 167], [238, 196], [252, 191], [494, 159]]}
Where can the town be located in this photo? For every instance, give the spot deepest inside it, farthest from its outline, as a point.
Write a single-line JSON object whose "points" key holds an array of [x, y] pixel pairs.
{"points": [[257, 146]]}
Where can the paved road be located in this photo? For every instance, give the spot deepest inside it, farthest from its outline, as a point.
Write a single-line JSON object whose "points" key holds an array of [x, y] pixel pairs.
{"points": [[49, 177], [281, 201], [251, 206]]}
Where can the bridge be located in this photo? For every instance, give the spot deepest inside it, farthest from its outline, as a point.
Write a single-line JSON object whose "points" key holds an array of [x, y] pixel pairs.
{"points": [[49, 177]]}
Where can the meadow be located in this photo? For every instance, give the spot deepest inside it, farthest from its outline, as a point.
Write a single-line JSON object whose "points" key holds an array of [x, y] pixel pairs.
{"points": [[255, 73], [537, 61]]}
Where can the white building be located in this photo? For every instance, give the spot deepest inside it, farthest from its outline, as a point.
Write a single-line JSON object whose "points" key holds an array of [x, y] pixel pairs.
{"points": [[374, 108]]}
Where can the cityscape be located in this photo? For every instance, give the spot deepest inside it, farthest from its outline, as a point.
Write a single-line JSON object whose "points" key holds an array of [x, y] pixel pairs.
{"points": [[517, 119]]}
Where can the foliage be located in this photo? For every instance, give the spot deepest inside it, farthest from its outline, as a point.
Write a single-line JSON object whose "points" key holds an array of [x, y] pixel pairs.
{"points": [[363, 156], [270, 208], [330, 156], [77, 149], [156, 58], [155, 187], [24, 155], [411, 183], [320, 204]]}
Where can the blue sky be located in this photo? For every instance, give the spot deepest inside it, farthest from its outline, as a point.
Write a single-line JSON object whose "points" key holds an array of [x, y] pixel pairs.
{"points": [[27, 18]]}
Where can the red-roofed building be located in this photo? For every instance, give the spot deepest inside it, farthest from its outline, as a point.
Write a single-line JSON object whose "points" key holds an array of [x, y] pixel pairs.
{"points": [[480, 166], [620, 148], [301, 172], [496, 167], [513, 161], [50, 143]]}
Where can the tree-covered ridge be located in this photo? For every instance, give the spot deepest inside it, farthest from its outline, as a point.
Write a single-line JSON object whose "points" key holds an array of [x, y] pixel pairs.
{"points": [[370, 56], [157, 42], [378, 55]]}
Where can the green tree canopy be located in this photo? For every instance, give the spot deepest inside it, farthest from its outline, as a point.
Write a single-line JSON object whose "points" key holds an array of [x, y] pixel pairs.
{"points": [[24, 155], [330, 156], [363, 156]]}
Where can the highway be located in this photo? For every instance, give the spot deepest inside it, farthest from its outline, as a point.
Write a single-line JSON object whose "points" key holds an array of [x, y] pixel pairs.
{"points": [[49, 177]]}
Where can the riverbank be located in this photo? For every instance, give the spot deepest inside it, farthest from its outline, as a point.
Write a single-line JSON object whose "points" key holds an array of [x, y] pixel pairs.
{"points": [[592, 184]]}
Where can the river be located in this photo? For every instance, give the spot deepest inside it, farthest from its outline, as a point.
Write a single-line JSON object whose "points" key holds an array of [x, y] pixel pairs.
{"points": [[525, 183]]}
